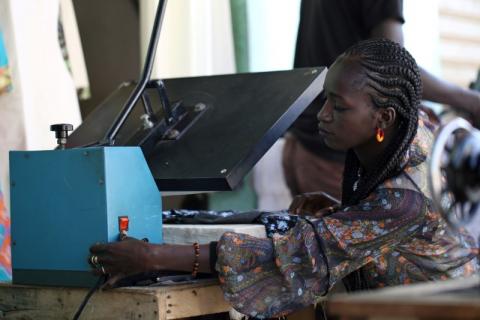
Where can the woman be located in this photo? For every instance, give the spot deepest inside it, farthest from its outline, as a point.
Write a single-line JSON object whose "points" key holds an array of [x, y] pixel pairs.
{"points": [[386, 232]]}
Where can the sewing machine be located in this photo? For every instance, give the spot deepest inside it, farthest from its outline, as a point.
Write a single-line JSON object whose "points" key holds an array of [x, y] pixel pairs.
{"points": [[175, 135]]}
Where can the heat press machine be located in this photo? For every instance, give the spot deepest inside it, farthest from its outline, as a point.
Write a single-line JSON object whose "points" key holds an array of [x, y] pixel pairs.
{"points": [[147, 137]]}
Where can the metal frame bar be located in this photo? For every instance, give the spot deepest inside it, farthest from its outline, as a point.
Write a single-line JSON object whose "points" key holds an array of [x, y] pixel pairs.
{"points": [[137, 93]]}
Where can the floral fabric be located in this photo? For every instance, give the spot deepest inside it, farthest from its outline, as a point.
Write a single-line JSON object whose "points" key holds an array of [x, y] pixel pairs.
{"points": [[5, 78], [5, 258], [394, 236]]}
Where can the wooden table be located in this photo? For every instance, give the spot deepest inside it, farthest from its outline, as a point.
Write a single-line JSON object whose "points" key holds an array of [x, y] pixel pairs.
{"points": [[166, 302], [452, 299]]}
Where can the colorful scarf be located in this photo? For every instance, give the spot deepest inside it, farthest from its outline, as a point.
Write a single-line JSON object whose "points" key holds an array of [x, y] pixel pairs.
{"points": [[5, 257], [5, 78]]}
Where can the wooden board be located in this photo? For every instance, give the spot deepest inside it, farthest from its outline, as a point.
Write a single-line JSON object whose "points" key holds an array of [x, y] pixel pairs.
{"points": [[451, 299], [146, 303]]}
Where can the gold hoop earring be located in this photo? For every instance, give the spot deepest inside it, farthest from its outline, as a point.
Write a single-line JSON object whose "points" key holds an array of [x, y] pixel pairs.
{"points": [[380, 135]]}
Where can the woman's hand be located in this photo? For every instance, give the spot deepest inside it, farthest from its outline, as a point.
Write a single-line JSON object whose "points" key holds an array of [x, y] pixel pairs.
{"points": [[314, 204], [121, 259]]}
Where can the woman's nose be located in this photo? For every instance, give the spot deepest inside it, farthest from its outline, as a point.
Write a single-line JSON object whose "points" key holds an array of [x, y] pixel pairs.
{"points": [[325, 114]]}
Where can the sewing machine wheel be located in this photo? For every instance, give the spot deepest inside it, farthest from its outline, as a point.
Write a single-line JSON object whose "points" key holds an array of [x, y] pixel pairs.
{"points": [[453, 171]]}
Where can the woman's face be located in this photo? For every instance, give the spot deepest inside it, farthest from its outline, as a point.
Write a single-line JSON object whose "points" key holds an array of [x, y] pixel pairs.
{"points": [[348, 118]]}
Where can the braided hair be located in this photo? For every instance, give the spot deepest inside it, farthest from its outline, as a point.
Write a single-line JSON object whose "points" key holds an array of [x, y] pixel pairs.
{"points": [[394, 78]]}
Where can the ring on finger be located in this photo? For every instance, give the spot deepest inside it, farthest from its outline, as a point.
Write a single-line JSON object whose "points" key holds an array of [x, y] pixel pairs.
{"points": [[94, 260], [103, 269]]}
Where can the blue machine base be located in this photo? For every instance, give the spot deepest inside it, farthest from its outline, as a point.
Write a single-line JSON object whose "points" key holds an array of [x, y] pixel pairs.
{"points": [[64, 201], [55, 278]]}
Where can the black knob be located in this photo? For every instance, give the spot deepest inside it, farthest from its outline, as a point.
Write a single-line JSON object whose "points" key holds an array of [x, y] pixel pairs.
{"points": [[61, 133]]}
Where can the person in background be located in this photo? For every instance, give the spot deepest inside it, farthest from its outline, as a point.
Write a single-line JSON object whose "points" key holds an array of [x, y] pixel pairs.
{"points": [[385, 232], [326, 29]]}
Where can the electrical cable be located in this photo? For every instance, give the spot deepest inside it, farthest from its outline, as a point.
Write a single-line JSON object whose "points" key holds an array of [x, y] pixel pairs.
{"points": [[97, 285]]}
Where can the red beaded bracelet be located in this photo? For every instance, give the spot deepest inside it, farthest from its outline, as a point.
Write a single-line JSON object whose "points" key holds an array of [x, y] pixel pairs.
{"points": [[196, 264]]}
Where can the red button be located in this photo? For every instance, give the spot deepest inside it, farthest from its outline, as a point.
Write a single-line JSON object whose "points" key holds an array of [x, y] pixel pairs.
{"points": [[123, 223]]}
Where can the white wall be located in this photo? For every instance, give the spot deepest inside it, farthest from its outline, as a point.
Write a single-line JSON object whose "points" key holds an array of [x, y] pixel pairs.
{"points": [[460, 40], [196, 38], [273, 28], [11, 114], [421, 31], [422, 37], [43, 90]]}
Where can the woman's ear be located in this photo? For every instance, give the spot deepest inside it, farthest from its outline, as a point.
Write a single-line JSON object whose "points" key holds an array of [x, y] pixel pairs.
{"points": [[386, 117]]}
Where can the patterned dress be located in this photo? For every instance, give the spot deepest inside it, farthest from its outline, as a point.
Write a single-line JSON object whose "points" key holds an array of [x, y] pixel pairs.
{"points": [[395, 236]]}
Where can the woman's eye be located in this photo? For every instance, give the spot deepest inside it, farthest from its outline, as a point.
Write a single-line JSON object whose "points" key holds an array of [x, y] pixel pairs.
{"points": [[338, 108]]}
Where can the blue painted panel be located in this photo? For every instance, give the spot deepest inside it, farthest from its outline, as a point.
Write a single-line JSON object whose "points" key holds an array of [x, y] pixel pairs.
{"points": [[63, 201], [131, 191], [58, 207]]}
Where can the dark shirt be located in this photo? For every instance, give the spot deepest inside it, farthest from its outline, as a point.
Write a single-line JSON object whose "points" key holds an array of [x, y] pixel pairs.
{"points": [[327, 28]]}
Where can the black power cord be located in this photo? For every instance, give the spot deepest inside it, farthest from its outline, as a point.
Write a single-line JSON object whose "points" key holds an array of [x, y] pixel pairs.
{"points": [[97, 285]]}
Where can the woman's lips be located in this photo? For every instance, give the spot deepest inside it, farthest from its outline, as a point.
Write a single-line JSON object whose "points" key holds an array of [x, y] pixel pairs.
{"points": [[323, 132]]}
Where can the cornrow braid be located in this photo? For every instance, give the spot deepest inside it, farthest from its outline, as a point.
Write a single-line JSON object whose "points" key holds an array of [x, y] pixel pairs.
{"points": [[394, 76]]}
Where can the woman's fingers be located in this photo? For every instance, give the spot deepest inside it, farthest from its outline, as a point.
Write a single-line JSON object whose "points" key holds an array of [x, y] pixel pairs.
{"points": [[97, 272], [109, 260], [127, 256], [301, 205], [297, 204], [112, 281], [99, 248], [310, 203], [293, 206]]}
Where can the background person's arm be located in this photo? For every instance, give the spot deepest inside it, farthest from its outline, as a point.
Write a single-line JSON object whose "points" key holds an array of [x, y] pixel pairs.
{"points": [[434, 88]]}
